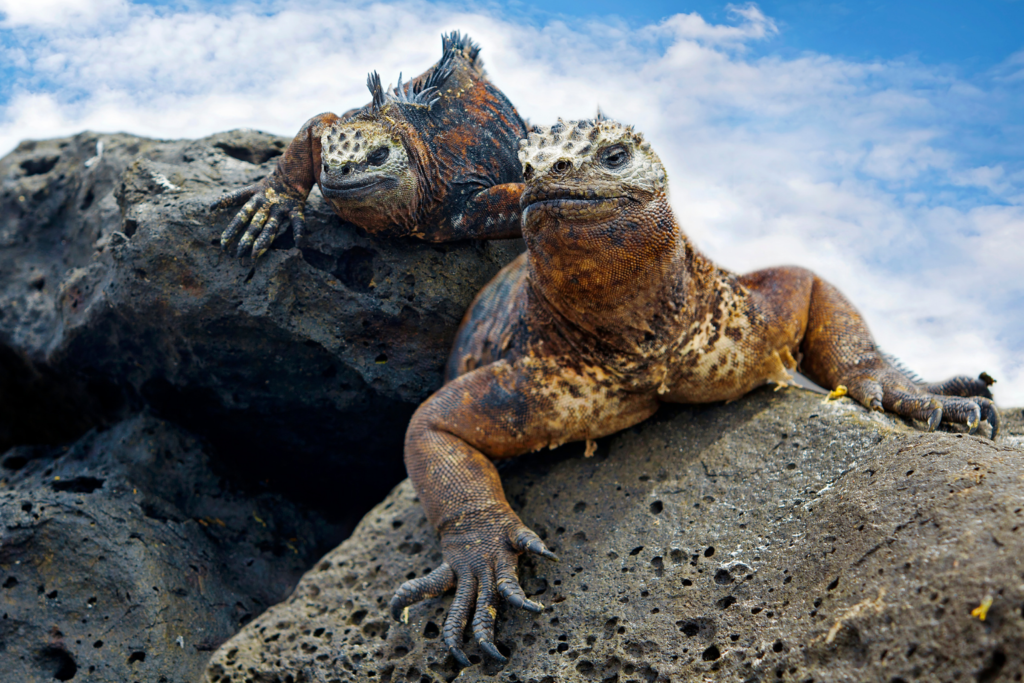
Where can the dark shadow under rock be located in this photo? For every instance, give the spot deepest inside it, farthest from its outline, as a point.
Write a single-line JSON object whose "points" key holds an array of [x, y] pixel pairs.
{"points": [[124, 557], [779, 537], [114, 294]]}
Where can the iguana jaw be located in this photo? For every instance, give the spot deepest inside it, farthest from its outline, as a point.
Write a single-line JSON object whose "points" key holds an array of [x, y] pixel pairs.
{"points": [[567, 205], [357, 188]]}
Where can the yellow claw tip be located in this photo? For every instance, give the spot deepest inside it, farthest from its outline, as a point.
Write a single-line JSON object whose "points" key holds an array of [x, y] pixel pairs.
{"points": [[981, 611]]}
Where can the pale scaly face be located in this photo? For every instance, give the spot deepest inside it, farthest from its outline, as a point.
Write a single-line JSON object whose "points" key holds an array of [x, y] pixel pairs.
{"points": [[603, 156], [365, 166]]}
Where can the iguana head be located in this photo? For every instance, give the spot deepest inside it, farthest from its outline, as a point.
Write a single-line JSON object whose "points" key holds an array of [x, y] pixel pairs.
{"points": [[364, 163], [596, 217], [582, 170], [377, 166]]}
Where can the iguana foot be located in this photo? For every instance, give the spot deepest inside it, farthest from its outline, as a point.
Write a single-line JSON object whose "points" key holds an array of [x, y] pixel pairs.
{"points": [[960, 400], [270, 208], [481, 565]]}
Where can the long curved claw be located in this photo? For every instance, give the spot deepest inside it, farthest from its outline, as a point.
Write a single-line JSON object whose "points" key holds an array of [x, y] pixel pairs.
{"points": [[483, 620], [991, 415], [458, 616], [934, 418], [430, 586], [538, 548], [528, 542], [509, 588], [459, 656], [493, 651]]}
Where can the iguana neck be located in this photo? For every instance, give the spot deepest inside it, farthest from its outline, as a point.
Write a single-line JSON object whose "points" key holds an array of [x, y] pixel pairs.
{"points": [[626, 280]]}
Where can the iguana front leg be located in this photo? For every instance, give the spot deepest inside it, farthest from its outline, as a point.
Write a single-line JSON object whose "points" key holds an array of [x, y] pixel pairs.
{"points": [[278, 200], [490, 214], [838, 351], [497, 411]]}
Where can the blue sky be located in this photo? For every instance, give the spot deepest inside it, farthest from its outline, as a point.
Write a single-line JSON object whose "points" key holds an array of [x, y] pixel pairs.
{"points": [[970, 35], [881, 144]]}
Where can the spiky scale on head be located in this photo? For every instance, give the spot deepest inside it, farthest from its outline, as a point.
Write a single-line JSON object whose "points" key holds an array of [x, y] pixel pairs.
{"points": [[359, 142], [585, 145]]}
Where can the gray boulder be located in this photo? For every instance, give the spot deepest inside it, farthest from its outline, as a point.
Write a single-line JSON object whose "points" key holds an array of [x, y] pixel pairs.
{"points": [[778, 537], [303, 367], [125, 557]]}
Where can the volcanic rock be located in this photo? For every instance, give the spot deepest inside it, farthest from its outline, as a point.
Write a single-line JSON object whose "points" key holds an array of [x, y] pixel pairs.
{"points": [[304, 366], [125, 557], [778, 537]]}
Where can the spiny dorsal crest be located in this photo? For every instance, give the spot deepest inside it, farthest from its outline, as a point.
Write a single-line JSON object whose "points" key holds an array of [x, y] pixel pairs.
{"points": [[403, 95], [580, 143], [373, 83], [425, 94], [455, 41]]}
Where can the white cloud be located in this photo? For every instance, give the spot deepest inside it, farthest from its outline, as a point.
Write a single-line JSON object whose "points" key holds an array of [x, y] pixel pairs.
{"points": [[852, 169], [14, 13]]}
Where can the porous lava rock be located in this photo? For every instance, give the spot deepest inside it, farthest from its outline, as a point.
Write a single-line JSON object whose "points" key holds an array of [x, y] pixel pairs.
{"points": [[303, 366], [124, 557], [778, 537]]}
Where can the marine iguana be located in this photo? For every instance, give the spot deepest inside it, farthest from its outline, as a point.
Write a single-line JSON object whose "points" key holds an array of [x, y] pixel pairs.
{"points": [[611, 312], [434, 158]]}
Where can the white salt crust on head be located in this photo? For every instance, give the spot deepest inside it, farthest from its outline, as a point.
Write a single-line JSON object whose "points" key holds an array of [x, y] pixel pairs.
{"points": [[354, 141], [581, 142]]}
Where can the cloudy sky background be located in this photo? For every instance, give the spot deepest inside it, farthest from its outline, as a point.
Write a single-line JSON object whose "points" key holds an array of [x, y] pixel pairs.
{"points": [[883, 148]]}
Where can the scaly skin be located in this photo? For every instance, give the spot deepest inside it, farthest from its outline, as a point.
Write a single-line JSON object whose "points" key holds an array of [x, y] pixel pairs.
{"points": [[610, 313], [435, 158]]}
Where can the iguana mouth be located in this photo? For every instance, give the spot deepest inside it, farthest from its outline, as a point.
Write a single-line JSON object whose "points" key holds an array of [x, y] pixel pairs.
{"points": [[582, 203], [356, 189]]}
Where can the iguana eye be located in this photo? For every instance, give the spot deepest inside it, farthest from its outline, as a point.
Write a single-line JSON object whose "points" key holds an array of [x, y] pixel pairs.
{"points": [[614, 157], [561, 166], [378, 156]]}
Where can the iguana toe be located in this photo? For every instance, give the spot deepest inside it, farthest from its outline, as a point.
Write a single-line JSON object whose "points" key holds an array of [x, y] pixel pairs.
{"points": [[458, 616], [430, 586], [239, 222], [991, 415], [298, 218], [486, 613], [528, 542]]}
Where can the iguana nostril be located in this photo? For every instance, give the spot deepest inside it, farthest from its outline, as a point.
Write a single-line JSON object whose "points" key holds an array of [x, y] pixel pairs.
{"points": [[527, 172], [346, 169]]}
